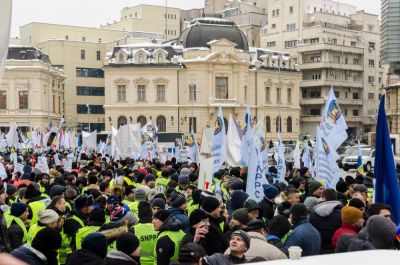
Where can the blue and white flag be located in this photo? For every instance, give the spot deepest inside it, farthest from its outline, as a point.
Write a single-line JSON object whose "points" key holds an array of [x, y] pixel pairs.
{"points": [[218, 151], [360, 166], [256, 175], [246, 139], [281, 165], [306, 158], [333, 126], [297, 156]]}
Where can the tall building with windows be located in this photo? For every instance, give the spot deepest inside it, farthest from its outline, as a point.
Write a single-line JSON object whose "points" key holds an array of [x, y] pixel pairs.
{"points": [[32, 90], [211, 64], [337, 47]]}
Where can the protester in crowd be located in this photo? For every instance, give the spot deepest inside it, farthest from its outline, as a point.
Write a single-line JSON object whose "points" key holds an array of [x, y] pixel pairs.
{"points": [[97, 218], [199, 228], [36, 202], [127, 253], [191, 254], [278, 229], [47, 218], [93, 252], [255, 210], [178, 210], [16, 224], [352, 222], [267, 203]]}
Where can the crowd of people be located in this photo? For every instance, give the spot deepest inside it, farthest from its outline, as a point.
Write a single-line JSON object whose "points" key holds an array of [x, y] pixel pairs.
{"points": [[148, 212]]}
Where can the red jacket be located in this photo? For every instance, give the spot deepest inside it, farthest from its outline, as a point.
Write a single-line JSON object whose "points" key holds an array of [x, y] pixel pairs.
{"points": [[344, 229]]}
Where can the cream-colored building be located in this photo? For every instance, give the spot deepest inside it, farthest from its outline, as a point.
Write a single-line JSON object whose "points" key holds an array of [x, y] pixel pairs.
{"points": [[32, 90], [149, 18], [183, 84], [336, 46], [393, 103]]}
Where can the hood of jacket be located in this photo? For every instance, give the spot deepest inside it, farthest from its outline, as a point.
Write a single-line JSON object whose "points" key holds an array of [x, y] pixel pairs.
{"points": [[381, 232], [325, 209], [116, 254], [171, 224], [175, 211], [256, 235]]}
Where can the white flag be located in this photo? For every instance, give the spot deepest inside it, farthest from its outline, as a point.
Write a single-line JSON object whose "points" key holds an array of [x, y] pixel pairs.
{"points": [[3, 173], [246, 139], [218, 152], [333, 126], [5, 26], [306, 158], [233, 144], [281, 166], [193, 149], [89, 140], [296, 156]]}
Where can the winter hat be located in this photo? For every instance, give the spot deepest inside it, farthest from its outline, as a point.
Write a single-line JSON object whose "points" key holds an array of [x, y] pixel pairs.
{"points": [[235, 185], [140, 194], [11, 189], [350, 215], [210, 203], [162, 215], [342, 186], [177, 199], [31, 191], [97, 215], [298, 210], [165, 173], [144, 212], [255, 225], [196, 196], [127, 243], [313, 186], [174, 177], [95, 243], [303, 171], [149, 177], [381, 232], [252, 205], [238, 199], [185, 171], [183, 179], [48, 216], [310, 202], [113, 199], [144, 171], [273, 170], [158, 202], [83, 201], [356, 202], [129, 189], [48, 238], [270, 191], [279, 226], [118, 214], [18, 208], [360, 188], [197, 216], [191, 253], [241, 215], [245, 237], [56, 190]]}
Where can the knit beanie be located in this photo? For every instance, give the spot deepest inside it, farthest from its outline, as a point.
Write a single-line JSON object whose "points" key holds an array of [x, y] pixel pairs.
{"points": [[350, 215], [144, 212], [313, 186], [149, 177], [357, 203], [162, 215], [279, 226], [56, 190], [95, 243], [196, 196], [11, 189], [197, 216], [48, 216], [97, 215], [238, 199], [18, 208], [118, 213], [140, 194], [48, 241], [210, 203], [270, 191], [177, 199], [158, 202], [127, 243], [185, 171], [241, 215], [298, 210], [245, 237], [342, 186], [183, 179], [303, 171]]}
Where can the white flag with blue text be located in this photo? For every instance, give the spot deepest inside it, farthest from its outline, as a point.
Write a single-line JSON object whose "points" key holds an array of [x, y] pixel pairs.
{"points": [[281, 166], [246, 139], [218, 151]]}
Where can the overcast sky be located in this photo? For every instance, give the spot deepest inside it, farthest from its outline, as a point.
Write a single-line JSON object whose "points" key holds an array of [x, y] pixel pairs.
{"points": [[96, 12]]}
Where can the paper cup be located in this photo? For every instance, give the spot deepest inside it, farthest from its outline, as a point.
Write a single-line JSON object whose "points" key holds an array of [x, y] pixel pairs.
{"points": [[295, 252]]}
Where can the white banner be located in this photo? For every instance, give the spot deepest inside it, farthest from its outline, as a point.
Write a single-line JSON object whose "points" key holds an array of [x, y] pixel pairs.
{"points": [[89, 140], [246, 140], [218, 151], [233, 144]]}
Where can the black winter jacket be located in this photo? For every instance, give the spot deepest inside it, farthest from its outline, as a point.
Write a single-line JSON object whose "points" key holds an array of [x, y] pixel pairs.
{"points": [[29, 255], [216, 236], [15, 234], [85, 257]]}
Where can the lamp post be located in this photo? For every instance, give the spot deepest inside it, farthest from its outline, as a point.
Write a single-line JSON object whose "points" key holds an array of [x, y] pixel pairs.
{"points": [[88, 112]]}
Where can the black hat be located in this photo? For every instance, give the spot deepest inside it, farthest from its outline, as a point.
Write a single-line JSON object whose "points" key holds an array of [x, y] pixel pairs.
{"points": [[279, 226], [357, 203], [298, 210], [149, 177], [95, 243], [255, 225], [183, 179], [49, 237], [197, 216], [83, 201], [303, 171], [177, 199], [31, 191], [191, 253], [210, 203], [341, 186], [245, 237], [56, 190], [144, 212], [158, 202], [162, 215], [11, 189], [241, 215], [127, 243], [97, 215]]}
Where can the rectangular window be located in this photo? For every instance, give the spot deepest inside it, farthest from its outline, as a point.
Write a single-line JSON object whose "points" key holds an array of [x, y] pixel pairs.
{"points": [[89, 91], [3, 100], [59, 104], [371, 96], [290, 9], [290, 43], [83, 38], [273, 13], [315, 59], [370, 28], [268, 94], [98, 55], [356, 61], [271, 44], [93, 109], [337, 94], [23, 100], [334, 41], [54, 103], [83, 54], [273, 26], [141, 93], [66, 37], [193, 124], [356, 95], [278, 95], [221, 87], [314, 40], [371, 45], [315, 112], [353, 44], [346, 60], [289, 95], [316, 76], [371, 79], [277, 12], [371, 62], [355, 112], [161, 93], [291, 26], [245, 93], [192, 92], [89, 72], [121, 93]]}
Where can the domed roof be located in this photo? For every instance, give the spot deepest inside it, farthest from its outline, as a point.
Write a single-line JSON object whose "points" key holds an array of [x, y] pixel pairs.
{"points": [[203, 30]]}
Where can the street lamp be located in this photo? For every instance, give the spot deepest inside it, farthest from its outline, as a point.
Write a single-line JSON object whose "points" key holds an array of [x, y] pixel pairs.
{"points": [[88, 112]]}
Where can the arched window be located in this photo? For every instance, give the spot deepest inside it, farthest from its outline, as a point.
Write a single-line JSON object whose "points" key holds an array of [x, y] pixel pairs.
{"points": [[142, 120], [268, 124], [278, 124], [289, 124], [140, 57], [122, 121], [161, 124], [160, 58]]}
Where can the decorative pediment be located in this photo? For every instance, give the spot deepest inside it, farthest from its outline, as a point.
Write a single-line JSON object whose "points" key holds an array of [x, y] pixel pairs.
{"points": [[121, 56], [221, 42], [141, 80], [121, 80], [140, 56], [160, 55], [224, 57], [161, 80]]}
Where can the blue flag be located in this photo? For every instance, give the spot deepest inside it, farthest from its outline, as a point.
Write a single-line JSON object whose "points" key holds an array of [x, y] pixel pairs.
{"points": [[360, 167], [386, 186]]}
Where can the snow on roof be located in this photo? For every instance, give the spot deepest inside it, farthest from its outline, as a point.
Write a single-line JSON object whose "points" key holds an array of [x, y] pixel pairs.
{"points": [[196, 49]]}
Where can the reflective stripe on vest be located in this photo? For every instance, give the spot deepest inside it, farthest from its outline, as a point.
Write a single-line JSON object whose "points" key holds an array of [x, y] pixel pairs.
{"points": [[76, 218], [36, 206], [128, 181], [33, 230], [65, 248], [10, 218], [133, 206], [82, 233], [174, 236], [147, 236]]}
